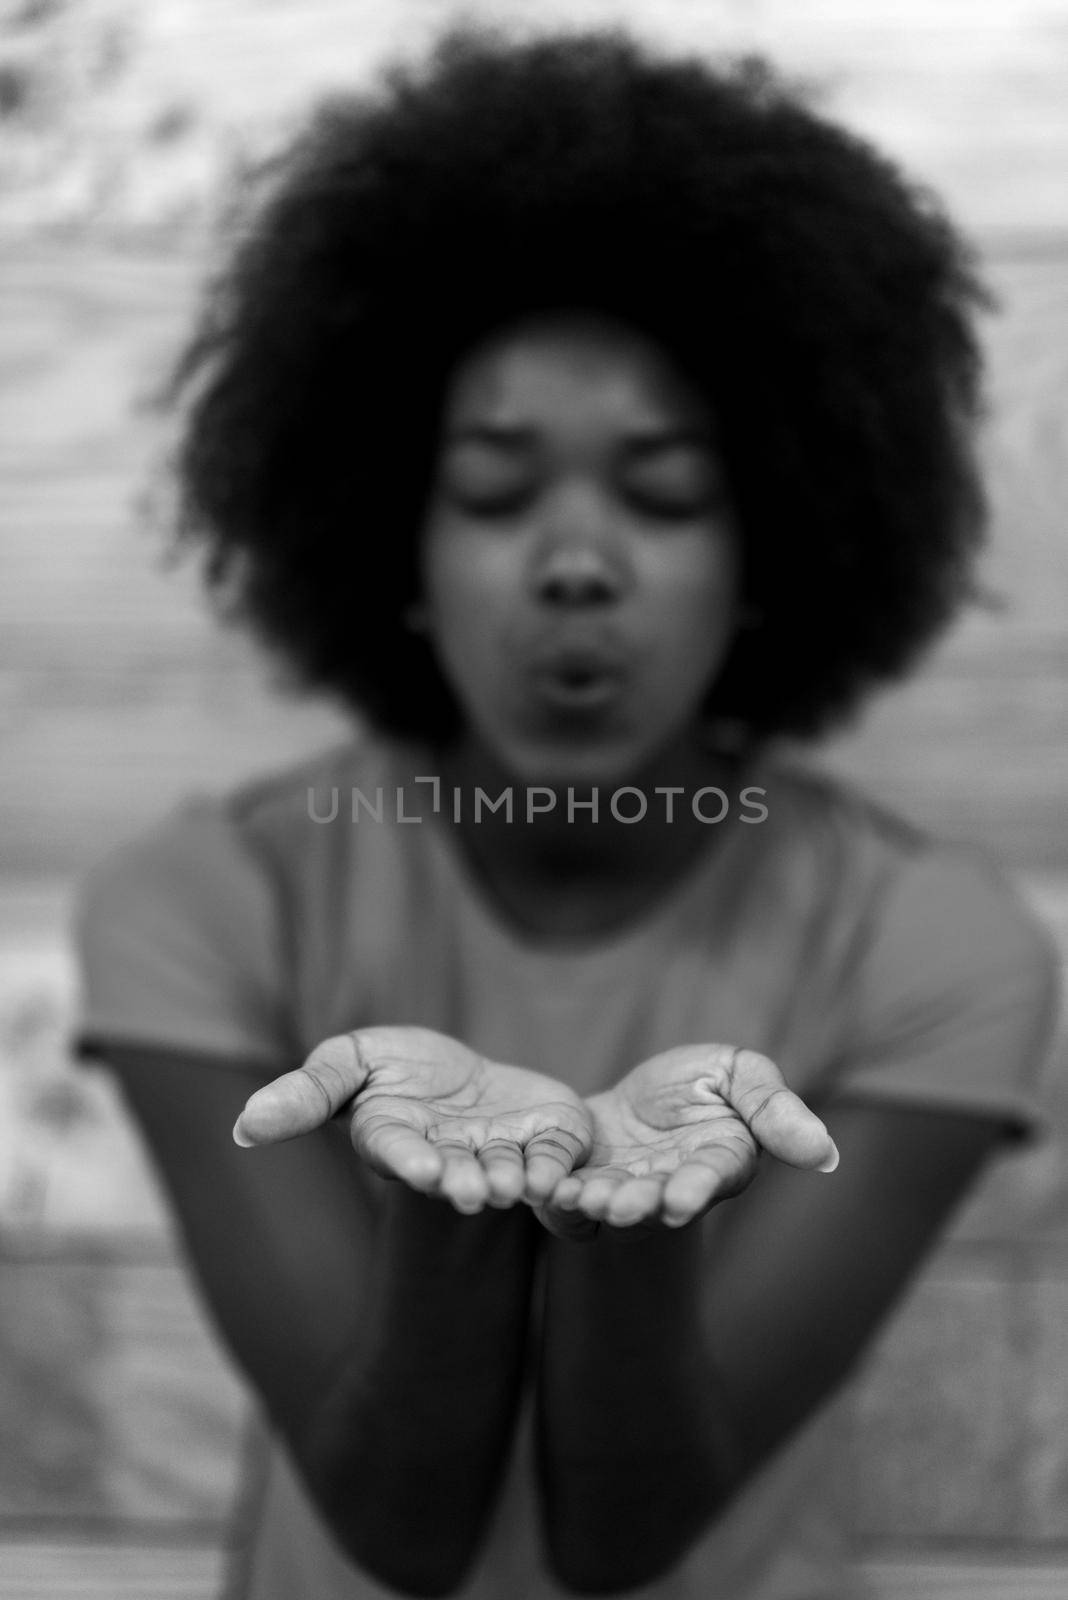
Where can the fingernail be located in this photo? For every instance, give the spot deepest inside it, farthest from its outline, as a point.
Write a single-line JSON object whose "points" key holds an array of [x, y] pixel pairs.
{"points": [[831, 1161], [240, 1137]]}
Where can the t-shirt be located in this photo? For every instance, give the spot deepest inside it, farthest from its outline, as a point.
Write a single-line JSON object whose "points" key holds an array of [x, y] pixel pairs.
{"points": [[861, 954]]}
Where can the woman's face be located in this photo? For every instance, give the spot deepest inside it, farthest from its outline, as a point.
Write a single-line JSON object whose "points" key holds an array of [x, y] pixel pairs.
{"points": [[580, 560]]}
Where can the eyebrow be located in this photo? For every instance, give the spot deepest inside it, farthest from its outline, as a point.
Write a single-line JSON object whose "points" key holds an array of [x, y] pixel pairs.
{"points": [[518, 437], [501, 434], [677, 438]]}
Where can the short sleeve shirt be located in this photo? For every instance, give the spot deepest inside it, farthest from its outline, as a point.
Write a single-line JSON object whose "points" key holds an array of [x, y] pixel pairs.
{"points": [[869, 960]]}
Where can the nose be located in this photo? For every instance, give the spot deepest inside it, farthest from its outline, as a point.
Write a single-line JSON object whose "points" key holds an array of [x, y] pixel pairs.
{"points": [[578, 561], [574, 576]]}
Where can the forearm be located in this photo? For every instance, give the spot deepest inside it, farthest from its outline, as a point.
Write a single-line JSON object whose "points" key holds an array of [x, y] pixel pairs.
{"points": [[405, 1450], [635, 1453]]}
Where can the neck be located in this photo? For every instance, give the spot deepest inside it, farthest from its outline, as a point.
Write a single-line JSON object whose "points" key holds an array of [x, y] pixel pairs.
{"points": [[564, 868]]}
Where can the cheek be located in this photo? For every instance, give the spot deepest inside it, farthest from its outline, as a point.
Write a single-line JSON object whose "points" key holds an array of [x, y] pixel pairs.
{"points": [[697, 620], [446, 575], [700, 588], [466, 588]]}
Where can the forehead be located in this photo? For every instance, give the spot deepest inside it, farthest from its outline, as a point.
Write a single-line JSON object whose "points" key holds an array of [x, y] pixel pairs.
{"points": [[567, 366]]}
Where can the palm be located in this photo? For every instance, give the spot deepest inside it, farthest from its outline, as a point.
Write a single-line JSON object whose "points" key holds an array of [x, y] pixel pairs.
{"points": [[684, 1130], [426, 1109], [504, 1130]]}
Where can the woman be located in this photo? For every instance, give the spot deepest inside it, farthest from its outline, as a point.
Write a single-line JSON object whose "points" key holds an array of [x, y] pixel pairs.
{"points": [[586, 421]]}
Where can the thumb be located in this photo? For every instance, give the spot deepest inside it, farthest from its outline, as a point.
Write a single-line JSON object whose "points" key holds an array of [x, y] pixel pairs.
{"points": [[778, 1119], [571, 1225], [301, 1101]]}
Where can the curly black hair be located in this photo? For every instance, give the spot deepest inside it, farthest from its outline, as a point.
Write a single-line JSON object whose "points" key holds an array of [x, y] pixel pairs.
{"points": [[823, 305]]}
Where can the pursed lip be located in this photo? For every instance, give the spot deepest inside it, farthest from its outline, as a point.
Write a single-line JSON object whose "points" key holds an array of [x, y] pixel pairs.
{"points": [[574, 659], [578, 677]]}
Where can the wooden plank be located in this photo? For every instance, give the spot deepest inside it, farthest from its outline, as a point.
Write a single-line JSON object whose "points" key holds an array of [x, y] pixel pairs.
{"points": [[118, 1414], [960, 1413], [129, 118], [966, 1579], [75, 1570], [117, 694], [937, 1434], [117, 1405], [78, 1571], [73, 1168], [1045, 1396], [120, 1407]]}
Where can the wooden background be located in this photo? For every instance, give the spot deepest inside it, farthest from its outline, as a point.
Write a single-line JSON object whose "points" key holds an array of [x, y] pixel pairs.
{"points": [[121, 126]]}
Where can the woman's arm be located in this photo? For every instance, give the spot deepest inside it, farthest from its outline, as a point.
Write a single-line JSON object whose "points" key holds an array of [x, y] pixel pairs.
{"points": [[387, 1345], [674, 1365]]}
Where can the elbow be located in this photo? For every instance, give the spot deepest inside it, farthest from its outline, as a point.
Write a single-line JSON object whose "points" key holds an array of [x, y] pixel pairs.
{"points": [[405, 1513], [587, 1566], [401, 1540], [605, 1543], [600, 1548], [411, 1567], [583, 1573]]}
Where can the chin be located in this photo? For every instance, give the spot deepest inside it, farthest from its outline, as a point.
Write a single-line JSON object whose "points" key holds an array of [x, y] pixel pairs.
{"points": [[581, 763]]}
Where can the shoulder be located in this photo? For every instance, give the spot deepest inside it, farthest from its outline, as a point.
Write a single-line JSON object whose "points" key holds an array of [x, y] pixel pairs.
{"points": [[951, 997], [953, 909], [814, 809], [219, 852], [305, 788], [192, 857], [946, 901], [184, 932], [946, 911], [947, 981], [296, 821], [925, 925]]}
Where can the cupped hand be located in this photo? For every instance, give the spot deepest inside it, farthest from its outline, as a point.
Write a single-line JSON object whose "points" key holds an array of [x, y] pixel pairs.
{"points": [[427, 1110], [680, 1132]]}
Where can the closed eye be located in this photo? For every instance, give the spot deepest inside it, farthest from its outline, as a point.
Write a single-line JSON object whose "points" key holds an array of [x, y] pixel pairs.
{"points": [[487, 479], [672, 480], [671, 506], [502, 504]]}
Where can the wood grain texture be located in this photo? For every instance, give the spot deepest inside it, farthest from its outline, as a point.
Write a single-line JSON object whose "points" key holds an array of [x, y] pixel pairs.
{"points": [[72, 1571], [75, 1570], [960, 1414], [128, 120], [966, 1579], [117, 1406], [122, 1413], [947, 1444], [1044, 1462], [73, 1169], [117, 694], [941, 1387]]}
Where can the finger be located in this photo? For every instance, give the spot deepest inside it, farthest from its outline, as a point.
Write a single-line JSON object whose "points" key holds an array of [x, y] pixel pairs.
{"points": [[778, 1118], [570, 1225], [463, 1182], [300, 1101], [397, 1151], [633, 1201], [550, 1156], [693, 1187], [567, 1194], [502, 1161], [597, 1194]]}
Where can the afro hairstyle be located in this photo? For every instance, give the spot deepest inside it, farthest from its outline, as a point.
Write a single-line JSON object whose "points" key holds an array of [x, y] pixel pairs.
{"points": [[821, 303]]}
